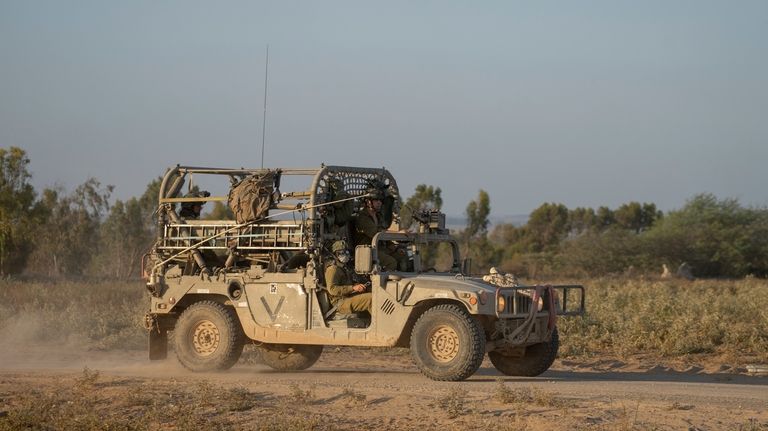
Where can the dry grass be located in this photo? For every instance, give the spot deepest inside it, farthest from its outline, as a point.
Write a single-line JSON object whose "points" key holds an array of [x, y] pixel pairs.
{"points": [[303, 396], [454, 403], [674, 318], [751, 425], [353, 398], [527, 395], [89, 403]]}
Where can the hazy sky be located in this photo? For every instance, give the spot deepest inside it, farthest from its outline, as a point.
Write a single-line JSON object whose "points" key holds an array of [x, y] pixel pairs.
{"points": [[585, 103]]}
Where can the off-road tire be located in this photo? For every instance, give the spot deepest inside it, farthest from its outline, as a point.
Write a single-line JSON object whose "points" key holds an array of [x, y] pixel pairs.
{"points": [[447, 343], [290, 357], [537, 359], [208, 337]]}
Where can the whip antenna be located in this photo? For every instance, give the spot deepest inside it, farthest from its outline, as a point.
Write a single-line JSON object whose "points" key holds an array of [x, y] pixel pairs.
{"points": [[264, 118]]}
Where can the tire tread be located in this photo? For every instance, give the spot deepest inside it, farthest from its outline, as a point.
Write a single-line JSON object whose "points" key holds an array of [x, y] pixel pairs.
{"points": [[233, 342], [528, 366], [476, 341]]}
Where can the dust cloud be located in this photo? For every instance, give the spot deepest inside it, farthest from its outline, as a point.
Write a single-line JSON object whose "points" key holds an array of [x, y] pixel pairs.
{"points": [[32, 343]]}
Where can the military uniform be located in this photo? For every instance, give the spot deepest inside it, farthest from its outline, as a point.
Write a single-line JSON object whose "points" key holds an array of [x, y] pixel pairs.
{"points": [[365, 227], [339, 285]]}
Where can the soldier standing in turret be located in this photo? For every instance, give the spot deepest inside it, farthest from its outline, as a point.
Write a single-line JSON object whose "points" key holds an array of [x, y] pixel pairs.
{"points": [[369, 222]]}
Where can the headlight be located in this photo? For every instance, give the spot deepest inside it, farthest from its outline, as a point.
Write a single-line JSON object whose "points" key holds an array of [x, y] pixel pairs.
{"points": [[501, 304]]}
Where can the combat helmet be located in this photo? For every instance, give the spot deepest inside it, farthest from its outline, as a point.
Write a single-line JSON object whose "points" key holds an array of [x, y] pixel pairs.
{"points": [[194, 194], [338, 246], [376, 190]]}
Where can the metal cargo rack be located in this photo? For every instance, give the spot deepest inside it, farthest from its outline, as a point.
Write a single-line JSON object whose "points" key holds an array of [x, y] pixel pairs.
{"points": [[225, 235]]}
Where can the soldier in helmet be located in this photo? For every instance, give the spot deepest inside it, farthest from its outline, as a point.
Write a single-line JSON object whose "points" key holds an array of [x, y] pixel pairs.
{"points": [[371, 221], [191, 210], [344, 295]]}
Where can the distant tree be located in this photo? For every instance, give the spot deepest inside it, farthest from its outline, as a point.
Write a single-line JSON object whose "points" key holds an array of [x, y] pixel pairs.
{"points": [[126, 234], [148, 200], [478, 247], [508, 241], [605, 218], [477, 215], [547, 226], [17, 197], [507, 234], [637, 217], [581, 220], [68, 235], [594, 253]]}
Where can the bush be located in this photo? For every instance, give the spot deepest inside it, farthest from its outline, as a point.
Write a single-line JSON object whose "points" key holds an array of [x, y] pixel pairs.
{"points": [[716, 237]]}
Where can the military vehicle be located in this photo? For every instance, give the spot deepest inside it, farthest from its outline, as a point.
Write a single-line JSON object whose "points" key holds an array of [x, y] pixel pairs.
{"points": [[218, 284]]}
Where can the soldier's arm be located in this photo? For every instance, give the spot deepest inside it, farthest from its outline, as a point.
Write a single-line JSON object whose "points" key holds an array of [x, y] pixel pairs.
{"points": [[333, 280], [364, 226]]}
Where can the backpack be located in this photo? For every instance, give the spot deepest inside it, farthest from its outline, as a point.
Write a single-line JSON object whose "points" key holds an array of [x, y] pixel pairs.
{"points": [[251, 198]]}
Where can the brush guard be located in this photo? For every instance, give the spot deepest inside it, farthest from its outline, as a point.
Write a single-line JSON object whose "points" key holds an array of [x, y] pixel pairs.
{"points": [[534, 305]]}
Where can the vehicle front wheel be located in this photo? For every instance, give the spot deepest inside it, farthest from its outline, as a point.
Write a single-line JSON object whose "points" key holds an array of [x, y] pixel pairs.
{"points": [[208, 337], [537, 359], [447, 343], [290, 357]]}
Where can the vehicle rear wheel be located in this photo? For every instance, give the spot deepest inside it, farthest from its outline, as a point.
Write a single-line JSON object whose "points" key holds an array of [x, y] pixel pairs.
{"points": [[208, 337], [537, 359], [290, 357], [447, 343]]}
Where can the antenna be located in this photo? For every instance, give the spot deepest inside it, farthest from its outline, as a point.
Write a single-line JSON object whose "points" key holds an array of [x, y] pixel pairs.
{"points": [[264, 118]]}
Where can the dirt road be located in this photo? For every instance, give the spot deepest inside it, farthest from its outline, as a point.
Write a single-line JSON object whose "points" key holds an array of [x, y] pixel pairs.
{"points": [[378, 389]]}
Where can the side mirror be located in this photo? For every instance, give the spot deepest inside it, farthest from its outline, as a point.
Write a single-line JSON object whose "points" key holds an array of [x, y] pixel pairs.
{"points": [[363, 259]]}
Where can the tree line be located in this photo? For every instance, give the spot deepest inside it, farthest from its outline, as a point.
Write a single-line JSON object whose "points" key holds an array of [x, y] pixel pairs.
{"points": [[70, 234], [713, 237], [56, 233]]}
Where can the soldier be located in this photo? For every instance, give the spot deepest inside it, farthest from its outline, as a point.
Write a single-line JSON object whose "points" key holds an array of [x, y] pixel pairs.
{"points": [[345, 296], [369, 222], [338, 214], [191, 210]]}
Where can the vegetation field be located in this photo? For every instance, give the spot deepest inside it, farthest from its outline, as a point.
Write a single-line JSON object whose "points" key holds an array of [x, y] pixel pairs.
{"points": [[704, 320]]}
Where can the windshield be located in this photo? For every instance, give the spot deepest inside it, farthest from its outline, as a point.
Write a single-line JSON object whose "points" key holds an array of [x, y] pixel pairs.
{"points": [[421, 253]]}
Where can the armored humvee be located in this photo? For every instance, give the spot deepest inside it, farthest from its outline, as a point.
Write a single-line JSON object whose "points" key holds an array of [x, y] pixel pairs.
{"points": [[217, 284]]}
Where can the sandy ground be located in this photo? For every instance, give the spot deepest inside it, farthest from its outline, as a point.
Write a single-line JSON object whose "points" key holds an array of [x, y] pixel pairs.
{"points": [[381, 389]]}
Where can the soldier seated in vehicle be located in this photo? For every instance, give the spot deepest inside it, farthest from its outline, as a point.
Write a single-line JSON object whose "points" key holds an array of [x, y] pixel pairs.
{"points": [[191, 210], [345, 296]]}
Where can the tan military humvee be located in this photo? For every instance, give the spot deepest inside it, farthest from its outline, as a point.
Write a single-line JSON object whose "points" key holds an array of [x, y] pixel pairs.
{"points": [[218, 284]]}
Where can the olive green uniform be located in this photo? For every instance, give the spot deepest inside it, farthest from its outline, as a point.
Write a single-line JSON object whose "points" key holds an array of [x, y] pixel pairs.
{"points": [[365, 228], [339, 285]]}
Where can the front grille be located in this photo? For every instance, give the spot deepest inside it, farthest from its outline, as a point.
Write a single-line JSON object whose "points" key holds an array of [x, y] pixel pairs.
{"points": [[569, 300], [518, 303]]}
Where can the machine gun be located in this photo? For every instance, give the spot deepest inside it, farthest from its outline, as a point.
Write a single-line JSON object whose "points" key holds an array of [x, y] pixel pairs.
{"points": [[430, 221]]}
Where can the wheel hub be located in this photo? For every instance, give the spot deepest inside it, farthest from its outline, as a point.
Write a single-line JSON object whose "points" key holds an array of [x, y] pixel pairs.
{"points": [[444, 343], [206, 338]]}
